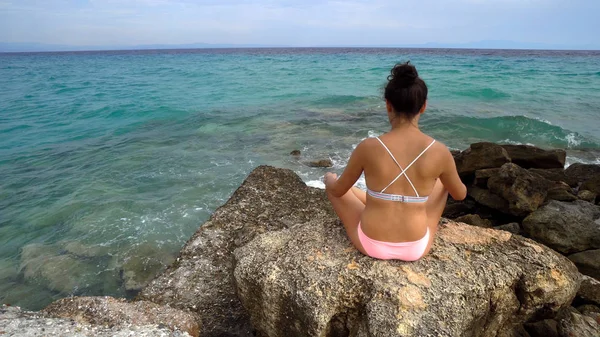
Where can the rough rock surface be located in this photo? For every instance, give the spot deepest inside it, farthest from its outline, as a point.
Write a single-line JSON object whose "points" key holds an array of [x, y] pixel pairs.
{"points": [[592, 185], [582, 172], [523, 190], [114, 312], [586, 195], [544, 328], [560, 225], [488, 199], [512, 227], [15, 322], [482, 176], [480, 156], [577, 325], [201, 278], [454, 208], [474, 220], [308, 280], [588, 262], [561, 191], [589, 291], [557, 174], [528, 156]]}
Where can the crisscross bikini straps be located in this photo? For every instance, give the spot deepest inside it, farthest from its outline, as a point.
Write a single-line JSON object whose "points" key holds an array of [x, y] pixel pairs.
{"points": [[403, 171]]}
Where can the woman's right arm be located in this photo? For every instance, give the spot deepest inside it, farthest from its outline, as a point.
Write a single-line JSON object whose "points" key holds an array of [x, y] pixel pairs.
{"points": [[450, 178]]}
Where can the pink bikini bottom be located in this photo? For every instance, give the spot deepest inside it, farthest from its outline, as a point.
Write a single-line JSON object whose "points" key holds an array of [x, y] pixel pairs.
{"points": [[405, 251]]}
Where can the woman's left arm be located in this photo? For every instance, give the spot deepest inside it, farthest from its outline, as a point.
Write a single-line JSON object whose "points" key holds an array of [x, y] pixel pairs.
{"points": [[339, 187]]}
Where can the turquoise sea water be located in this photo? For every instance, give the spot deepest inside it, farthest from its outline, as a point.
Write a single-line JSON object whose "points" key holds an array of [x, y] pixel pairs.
{"points": [[129, 152]]}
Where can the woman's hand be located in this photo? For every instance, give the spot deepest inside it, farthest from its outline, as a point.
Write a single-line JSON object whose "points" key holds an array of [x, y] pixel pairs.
{"points": [[330, 178]]}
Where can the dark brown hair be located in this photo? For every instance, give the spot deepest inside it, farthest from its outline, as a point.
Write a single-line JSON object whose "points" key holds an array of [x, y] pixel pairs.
{"points": [[405, 90]]}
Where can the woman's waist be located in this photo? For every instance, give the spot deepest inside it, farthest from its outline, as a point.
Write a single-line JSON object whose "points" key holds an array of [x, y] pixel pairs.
{"points": [[394, 226]]}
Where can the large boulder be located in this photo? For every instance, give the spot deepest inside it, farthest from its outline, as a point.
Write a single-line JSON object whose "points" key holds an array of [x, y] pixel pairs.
{"points": [[201, 278], [480, 156], [523, 190], [592, 185], [568, 227], [109, 311], [309, 280], [582, 172], [488, 199], [528, 156], [588, 262], [561, 191]]}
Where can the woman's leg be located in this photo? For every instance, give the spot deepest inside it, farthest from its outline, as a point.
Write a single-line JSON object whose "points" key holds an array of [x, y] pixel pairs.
{"points": [[349, 209], [435, 207], [360, 194]]}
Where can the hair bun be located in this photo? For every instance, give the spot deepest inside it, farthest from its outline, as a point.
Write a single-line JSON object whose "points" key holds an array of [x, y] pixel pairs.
{"points": [[403, 74]]}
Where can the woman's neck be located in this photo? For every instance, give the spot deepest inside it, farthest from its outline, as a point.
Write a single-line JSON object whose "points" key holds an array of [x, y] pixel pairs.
{"points": [[399, 123]]}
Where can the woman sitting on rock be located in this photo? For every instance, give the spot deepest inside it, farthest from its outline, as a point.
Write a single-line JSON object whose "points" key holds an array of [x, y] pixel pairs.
{"points": [[408, 176]]}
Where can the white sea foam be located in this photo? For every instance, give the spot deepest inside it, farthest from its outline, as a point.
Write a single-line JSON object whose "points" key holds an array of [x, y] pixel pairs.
{"points": [[572, 140], [316, 183]]}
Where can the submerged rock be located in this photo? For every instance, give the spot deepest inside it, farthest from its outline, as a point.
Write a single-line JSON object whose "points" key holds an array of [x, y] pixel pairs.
{"points": [[295, 153], [528, 156], [142, 265], [320, 163], [308, 280], [524, 191], [109, 311], [560, 226], [588, 262]]}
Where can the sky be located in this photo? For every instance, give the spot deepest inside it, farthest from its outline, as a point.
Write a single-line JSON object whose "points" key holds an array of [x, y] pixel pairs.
{"points": [[299, 22]]}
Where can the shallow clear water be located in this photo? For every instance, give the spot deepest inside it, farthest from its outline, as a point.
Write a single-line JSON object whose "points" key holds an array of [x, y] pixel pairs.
{"points": [[129, 152]]}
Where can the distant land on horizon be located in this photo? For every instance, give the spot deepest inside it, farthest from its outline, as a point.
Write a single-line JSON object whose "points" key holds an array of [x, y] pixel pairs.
{"points": [[488, 44]]}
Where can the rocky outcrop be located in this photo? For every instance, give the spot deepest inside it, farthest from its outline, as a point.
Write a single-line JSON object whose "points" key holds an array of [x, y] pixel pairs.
{"points": [[201, 279], [523, 191], [480, 156], [561, 191], [560, 226], [309, 281], [16, 322], [588, 262], [109, 311], [556, 174], [293, 262]]}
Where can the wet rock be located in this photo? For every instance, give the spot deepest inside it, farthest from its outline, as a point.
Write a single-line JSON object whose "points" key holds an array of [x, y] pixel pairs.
{"points": [[482, 176], [488, 199], [582, 172], [528, 156], [474, 220], [575, 324], [480, 156], [544, 328], [320, 163], [109, 311], [561, 191], [589, 291], [295, 153], [560, 225], [201, 280], [557, 174], [524, 191], [588, 262], [308, 280], [512, 227], [586, 195], [142, 265], [16, 322]]}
